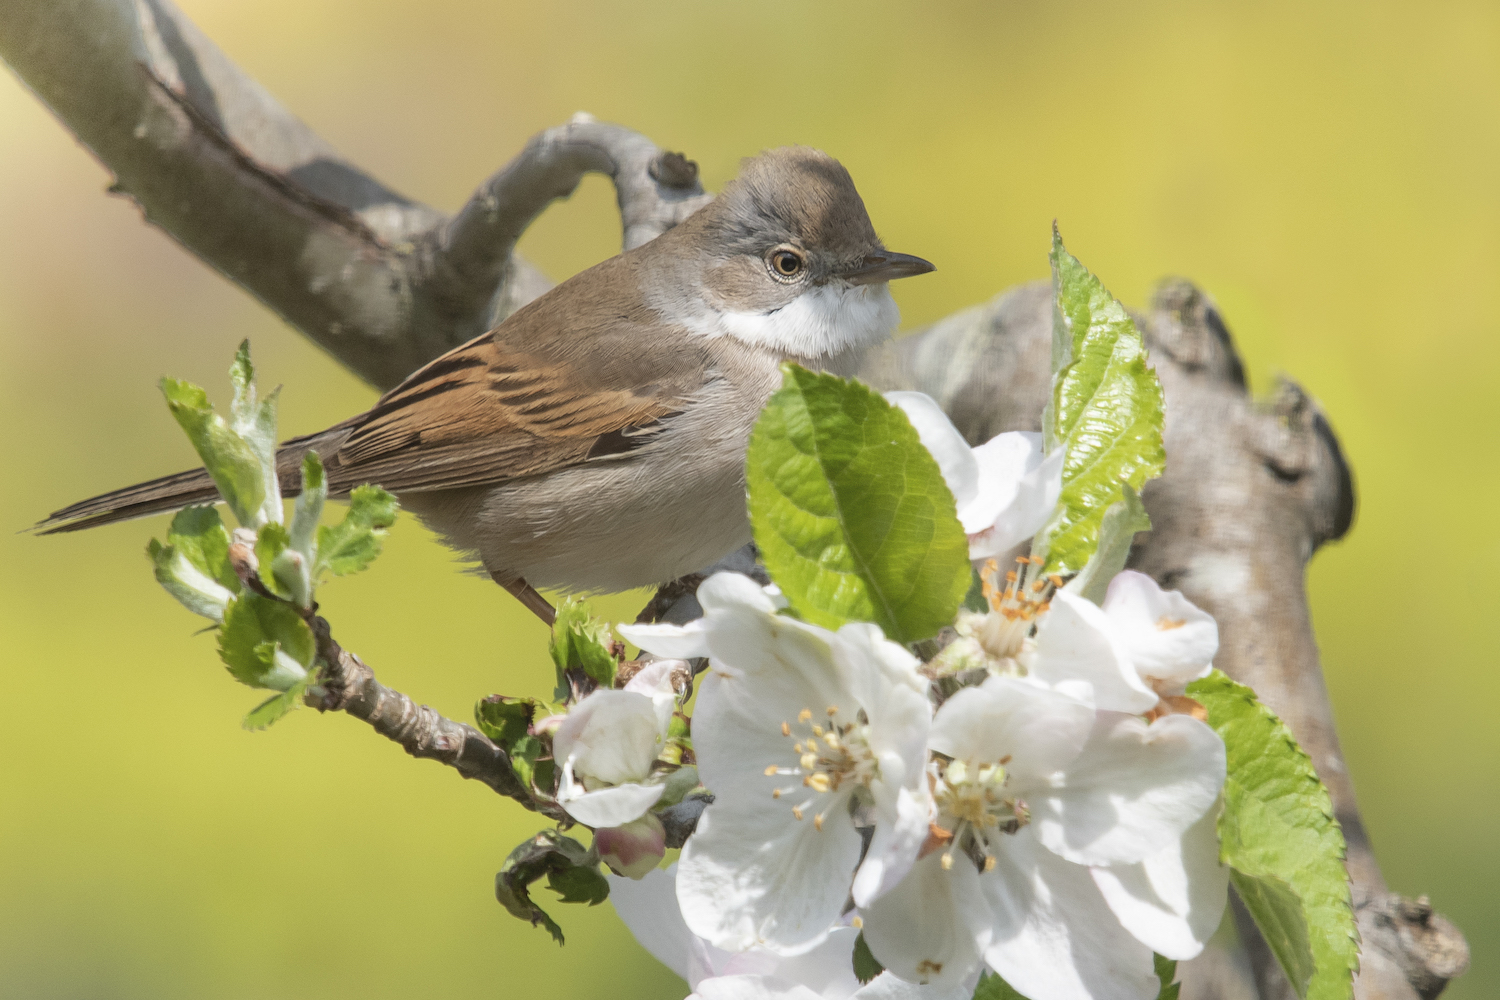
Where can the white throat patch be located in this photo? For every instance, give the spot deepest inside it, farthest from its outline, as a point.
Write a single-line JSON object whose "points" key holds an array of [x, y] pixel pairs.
{"points": [[825, 320]]}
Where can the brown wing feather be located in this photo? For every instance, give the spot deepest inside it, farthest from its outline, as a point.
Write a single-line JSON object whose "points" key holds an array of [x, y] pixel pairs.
{"points": [[489, 411]]}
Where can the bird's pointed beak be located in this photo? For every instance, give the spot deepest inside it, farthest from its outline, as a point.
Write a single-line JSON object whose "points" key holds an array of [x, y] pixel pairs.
{"points": [[885, 266]]}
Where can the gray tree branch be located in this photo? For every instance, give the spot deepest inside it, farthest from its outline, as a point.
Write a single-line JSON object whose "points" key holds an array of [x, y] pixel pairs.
{"points": [[383, 283], [1250, 492]]}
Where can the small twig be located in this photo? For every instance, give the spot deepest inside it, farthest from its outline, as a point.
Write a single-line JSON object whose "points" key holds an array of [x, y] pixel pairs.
{"points": [[348, 685]]}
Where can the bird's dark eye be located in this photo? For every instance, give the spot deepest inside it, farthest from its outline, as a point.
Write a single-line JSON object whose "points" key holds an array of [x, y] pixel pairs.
{"points": [[786, 263]]}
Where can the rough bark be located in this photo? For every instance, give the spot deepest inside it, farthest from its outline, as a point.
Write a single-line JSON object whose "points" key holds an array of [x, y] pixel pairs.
{"points": [[385, 284], [381, 282], [1249, 494]]}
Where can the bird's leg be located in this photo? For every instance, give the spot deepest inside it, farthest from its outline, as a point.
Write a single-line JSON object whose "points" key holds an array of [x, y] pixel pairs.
{"points": [[528, 596]]}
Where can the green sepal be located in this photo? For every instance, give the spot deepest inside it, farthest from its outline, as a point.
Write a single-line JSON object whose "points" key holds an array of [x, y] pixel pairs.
{"points": [[505, 720], [1284, 848], [273, 708], [1106, 411], [227, 456], [555, 856], [992, 987], [581, 642], [1122, 520], [1166, 973], [851, 512], [354, 542], [193, 566], [866, 965], [256, 629], [254, 420]]}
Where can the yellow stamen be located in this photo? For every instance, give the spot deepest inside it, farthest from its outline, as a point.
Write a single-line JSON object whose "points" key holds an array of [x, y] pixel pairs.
{"points": [[819, 781], [770, 770], [797, 811], [818, 822], [805, 715], [786, 730]]}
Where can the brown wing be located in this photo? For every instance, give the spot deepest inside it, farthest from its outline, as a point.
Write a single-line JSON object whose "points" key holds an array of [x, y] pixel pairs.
{"points": [[490, 411]]}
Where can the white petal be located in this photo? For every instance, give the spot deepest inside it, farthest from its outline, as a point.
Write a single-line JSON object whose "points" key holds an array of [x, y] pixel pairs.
{"points": [[1173, 901], [734, 592], [954, 456], [894, 846], [827, 970], [610, 736], [764, 671], [1165, 635], [751, 988], [864, 654], [655, 681], [649, 909], [1040, 730], [1134, 788], [1018, 489], [1054, 936], [887, 986], [933, 925], [1075, 642], [613, 806], [753, 876], [680, 642]]}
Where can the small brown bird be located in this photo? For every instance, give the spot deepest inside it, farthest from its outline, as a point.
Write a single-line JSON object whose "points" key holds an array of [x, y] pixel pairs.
{"points": [[595, 440]]}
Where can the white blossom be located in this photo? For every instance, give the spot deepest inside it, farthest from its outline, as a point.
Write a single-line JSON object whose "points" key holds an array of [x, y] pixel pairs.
{"points": [[1033, 790], [649, 908], [796, 727], [1005, 489], [606, 746], [1144, 644]]}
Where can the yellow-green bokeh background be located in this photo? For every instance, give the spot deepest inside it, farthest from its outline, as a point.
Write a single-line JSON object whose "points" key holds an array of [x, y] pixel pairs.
{"points": [[1328, 171]]}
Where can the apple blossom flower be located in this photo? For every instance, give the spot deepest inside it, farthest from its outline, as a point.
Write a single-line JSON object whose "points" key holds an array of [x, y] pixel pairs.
{"points": [[607, 744], [1033, 790], [1005, 489], [797, 730], [1141, 646], [649, 908]]}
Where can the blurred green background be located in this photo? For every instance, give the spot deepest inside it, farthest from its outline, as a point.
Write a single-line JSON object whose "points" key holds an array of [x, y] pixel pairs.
{"points": [[1327, 171]]}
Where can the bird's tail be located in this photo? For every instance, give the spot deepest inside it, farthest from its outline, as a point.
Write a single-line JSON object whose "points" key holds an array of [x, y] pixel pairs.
{"points": [[187, 489]]}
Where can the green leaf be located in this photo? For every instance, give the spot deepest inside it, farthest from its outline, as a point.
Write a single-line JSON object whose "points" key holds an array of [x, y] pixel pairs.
{"points": [[276, 706], [992, 987], [1166, 973], [530, 759], [581, 642], [309, 508], [579, 885], [1105, 410], [194, 564], [1277, 910], [227, 456], [556, 857], [1284, 847], [255, 422], [265, 643], [270, 542], [866, 965], [1117, 532], [353, 544], [851, 512], [505, 720]]}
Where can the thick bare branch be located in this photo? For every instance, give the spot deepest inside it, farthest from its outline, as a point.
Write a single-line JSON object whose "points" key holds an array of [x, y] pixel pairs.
{"points": [[348, 685], [381, 282], [1249, 494]]}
